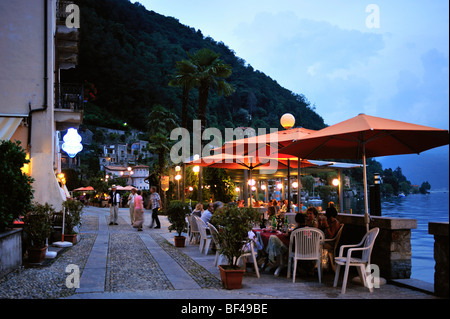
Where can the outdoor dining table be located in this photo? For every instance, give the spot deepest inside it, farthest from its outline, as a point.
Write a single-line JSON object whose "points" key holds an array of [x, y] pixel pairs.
{"points": [[264, 236]]}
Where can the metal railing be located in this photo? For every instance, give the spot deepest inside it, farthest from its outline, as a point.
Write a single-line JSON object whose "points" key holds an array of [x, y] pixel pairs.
{"points": [[69, 96]]}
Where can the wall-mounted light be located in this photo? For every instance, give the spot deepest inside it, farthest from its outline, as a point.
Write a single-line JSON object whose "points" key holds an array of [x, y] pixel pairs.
{"points": [[72, 143], [376, 178]]}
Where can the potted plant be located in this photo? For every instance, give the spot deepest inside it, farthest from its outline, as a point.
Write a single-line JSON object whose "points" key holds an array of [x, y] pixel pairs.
{"points": [[37, 229], [176, 214], [72, 217], [233, 225]]}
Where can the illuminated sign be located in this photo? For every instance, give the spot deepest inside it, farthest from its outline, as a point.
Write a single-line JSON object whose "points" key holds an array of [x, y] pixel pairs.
{"points": [[72, 145]]}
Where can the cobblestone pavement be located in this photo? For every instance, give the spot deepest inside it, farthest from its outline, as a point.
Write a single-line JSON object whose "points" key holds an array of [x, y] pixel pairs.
{"points": [[119, 262]]}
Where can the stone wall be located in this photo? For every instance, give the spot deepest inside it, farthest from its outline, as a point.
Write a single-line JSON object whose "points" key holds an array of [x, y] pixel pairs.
{"points": [[392, 248], [10, 251], [441, 251]]}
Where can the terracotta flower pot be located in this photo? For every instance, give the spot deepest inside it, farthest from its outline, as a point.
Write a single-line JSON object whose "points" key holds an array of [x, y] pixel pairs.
{"points": [[36, 255], [72, 238], [231, 277], [179, 241]]}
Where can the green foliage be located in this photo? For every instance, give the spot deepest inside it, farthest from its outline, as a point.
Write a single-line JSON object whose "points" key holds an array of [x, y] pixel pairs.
{"points": [[176, 213], [233, 225], [425, 187], [221, 187], [38, 225], [73, 210], [15, 186], [130, 55]]}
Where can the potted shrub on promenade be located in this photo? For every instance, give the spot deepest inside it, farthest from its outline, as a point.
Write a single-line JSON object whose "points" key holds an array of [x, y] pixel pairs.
{"points": [[72, 209], [176, 214], [233, 225], [37, 229]]}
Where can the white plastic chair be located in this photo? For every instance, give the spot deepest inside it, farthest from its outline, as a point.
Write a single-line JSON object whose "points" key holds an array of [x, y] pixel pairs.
{"points": [[188, 226], [250, 252], [365, 247], [307, 243], [205, 239], [194, 232], [214, 236]]}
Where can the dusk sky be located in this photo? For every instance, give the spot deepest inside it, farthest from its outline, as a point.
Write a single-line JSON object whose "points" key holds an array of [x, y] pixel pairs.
{"points": [[383, 58]]}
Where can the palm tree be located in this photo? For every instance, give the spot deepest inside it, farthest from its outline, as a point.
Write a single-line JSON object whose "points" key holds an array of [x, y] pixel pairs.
{"points": [[209, 74], [160, 124], [184, 78]]}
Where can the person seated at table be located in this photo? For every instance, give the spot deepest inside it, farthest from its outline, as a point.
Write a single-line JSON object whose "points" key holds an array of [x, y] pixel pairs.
{"points": [[198, 211], [329, 225], [301, 208], [300, 222], [284, 207], [207, 214], [276, 247], [273, 209], [311, 217], [257, 204]]}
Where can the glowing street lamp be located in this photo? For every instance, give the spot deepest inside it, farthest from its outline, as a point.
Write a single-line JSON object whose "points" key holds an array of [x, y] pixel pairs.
{"points": [[335, 182], [287, 121], [177, 178]]}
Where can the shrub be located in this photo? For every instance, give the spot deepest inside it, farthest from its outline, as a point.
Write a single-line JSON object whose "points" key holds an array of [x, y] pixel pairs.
{"points": [[176, 213], [15, 186], [38, 224], [73, 210], [233, 225]]}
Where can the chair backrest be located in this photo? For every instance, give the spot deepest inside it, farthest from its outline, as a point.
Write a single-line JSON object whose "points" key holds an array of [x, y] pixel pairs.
{"points": [[193, 223], [201, 226], [306, 241], [368, 242], [214, 234], [291, 218], [336, 238]]}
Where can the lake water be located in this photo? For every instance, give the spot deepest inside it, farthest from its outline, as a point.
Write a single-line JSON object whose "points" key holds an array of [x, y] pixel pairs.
{"points": [[433, 207]]}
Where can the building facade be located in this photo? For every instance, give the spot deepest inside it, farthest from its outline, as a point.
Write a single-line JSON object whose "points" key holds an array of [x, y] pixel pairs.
{"points": [[36, 47]]}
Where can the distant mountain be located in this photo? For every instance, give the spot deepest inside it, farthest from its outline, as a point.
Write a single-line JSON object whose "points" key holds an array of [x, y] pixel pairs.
{"points": [[128, 54]]}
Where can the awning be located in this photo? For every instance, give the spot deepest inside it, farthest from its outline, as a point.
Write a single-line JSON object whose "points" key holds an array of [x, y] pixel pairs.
{"points": [[8, 125]]}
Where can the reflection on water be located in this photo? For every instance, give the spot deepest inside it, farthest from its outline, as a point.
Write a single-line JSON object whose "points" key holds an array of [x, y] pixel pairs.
{"points": [[433, 207]]}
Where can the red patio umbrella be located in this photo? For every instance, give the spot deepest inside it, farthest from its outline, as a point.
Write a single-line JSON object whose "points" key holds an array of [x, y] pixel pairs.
{"points": [[367, 136]]}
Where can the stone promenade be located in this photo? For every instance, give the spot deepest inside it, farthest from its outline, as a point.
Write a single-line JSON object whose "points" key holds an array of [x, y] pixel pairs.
{"points": [[118, 262]]}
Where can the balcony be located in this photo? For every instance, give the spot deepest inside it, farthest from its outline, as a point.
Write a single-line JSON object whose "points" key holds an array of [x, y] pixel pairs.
{"points": [[66, 39], [68, 105]]}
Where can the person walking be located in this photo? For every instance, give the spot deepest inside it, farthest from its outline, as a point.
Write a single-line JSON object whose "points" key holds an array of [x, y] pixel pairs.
{"points": [[131, 198], [138, 211], [155, 201], [113, 200]]}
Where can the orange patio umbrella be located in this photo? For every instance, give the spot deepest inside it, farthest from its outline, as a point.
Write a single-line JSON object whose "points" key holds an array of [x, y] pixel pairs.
{"points": [[269, 160], [367, 136], [84, 189]]}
